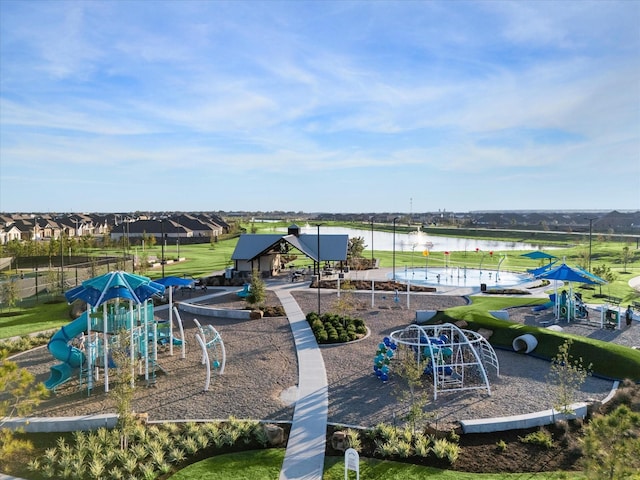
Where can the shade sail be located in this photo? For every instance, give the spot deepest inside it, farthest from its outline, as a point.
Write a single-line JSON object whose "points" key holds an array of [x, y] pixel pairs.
{"points": [[175, 281], [118, 284], [568, 274], [538, 254], [537, 271]]}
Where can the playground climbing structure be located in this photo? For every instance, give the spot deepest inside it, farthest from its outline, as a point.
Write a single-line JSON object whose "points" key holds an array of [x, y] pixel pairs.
{"points": [[454, 358]]}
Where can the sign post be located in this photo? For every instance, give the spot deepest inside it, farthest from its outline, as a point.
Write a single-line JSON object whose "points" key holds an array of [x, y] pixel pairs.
{"points": [[351, 462]]}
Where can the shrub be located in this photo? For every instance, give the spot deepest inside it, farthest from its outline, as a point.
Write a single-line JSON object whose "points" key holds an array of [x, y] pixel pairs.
{"points": [[334, 328], [539, 437]]}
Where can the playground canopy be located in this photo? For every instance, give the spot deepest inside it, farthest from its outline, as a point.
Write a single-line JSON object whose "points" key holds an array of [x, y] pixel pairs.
{"points": [[568, 274], [118, 284], [537, 271], [538, 254]]}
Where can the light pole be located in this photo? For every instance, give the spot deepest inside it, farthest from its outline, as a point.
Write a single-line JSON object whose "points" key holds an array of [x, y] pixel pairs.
{"points": [[394, 248], [372, 242], [590, 232], [162, 246], [318, 226]]}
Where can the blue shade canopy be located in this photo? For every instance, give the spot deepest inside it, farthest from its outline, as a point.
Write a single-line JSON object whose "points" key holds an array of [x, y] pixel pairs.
{"points": [[568, 274], [538, 254], [537, 271], [174, 281], [98, 290]]}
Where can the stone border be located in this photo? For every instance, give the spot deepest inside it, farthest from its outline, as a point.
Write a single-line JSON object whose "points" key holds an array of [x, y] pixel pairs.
{"points": [[61, 424], [215, 312], [518, 422]]}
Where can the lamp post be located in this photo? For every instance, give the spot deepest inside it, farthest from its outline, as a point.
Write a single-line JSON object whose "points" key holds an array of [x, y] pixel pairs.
{"points": [[394, 248], [62, 260], [372, 242], [162, 246], [318, 226], [590, 233]]}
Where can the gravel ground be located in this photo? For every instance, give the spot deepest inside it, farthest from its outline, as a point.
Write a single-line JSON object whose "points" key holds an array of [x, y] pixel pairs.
{"points": [[261, 365]]}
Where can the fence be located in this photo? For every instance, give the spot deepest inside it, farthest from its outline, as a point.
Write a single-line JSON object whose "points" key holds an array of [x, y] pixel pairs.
{"points": [[40, 284]]}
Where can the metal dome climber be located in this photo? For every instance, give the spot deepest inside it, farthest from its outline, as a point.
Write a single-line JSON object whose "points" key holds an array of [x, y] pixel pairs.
{"points": [[456, 359]]}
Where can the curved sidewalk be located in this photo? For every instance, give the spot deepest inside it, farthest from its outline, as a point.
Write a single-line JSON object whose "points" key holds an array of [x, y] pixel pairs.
{"points": [[304, 456]]}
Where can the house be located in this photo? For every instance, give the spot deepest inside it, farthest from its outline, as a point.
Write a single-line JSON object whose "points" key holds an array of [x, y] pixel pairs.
{"points": [[265, 252]]}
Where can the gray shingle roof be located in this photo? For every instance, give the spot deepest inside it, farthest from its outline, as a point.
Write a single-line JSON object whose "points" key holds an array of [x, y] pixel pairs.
{"points": [[332, 247]]}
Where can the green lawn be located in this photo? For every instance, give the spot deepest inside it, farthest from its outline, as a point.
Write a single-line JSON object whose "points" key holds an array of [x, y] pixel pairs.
{"points": [[21, 321], [265, 465], [608, 359]]}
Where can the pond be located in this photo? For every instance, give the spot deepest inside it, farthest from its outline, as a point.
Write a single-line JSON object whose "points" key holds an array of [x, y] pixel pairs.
{"points": [[419, 241]]}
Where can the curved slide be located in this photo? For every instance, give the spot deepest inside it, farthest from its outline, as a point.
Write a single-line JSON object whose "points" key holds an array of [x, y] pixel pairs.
{"points": [[71, 357]]}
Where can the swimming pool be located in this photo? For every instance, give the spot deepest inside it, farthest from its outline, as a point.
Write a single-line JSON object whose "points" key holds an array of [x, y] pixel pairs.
{"points": [[460, 277]]}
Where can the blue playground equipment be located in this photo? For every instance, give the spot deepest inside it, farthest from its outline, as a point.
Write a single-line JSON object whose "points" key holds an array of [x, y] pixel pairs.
{"points": [[245, 291], [98, 330], [455, 359], [386, 350]]}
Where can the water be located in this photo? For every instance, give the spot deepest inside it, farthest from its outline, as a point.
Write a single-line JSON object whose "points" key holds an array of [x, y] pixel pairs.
{"points": [[419, 241], [459, 277]]}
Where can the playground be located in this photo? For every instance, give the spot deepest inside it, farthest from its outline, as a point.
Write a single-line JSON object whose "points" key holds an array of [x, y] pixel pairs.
{"points": [[261, 368]]}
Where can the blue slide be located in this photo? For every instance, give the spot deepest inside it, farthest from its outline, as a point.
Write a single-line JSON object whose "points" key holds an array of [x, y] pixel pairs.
{"points": [[70, 357]]}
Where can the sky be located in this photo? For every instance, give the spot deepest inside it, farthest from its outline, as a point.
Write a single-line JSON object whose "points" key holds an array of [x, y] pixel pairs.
{"points": [[319, 106]]}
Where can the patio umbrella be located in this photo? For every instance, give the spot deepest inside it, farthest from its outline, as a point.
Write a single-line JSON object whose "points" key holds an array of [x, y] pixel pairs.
{"points": [[566, 273], [174, 282]]}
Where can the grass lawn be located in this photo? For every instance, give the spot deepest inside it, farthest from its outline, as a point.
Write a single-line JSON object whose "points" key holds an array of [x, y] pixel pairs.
{"points": [[21, 321], [266, 464], [608, 360]]}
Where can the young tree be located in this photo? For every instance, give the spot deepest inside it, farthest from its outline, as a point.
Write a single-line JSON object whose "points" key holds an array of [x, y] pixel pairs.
{"points": [[611, 449], [407, 367], [627, 256], [257, 291], [123, 391], [604, 272], [567, 374], [9, 292], [20, 396]]}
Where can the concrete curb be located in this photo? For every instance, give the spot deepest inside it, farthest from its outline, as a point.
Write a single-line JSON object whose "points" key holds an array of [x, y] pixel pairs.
{"points": [[61, 424], [215, 312], [517, 422]]}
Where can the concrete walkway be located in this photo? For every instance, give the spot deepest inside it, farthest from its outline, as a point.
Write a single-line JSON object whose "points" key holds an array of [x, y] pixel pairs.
{"points": [[304, 457]]}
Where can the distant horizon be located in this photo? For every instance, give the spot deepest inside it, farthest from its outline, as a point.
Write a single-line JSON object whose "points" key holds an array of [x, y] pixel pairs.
{"points": [[331, 106], [296, 212]]}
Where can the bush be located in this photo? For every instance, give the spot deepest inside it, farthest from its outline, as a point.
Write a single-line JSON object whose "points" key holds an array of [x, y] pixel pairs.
{"points": [[334, 328], [539, 437]]}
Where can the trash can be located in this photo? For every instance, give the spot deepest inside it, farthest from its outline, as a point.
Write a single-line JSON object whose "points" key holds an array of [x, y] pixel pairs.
{"points": [[483, 287]]}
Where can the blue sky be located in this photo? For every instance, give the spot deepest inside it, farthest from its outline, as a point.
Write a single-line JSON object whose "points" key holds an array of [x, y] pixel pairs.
{"points": [[322, 106]]}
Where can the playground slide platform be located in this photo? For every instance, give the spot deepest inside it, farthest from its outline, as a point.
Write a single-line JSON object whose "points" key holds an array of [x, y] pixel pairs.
{"points": [[70, 356]]}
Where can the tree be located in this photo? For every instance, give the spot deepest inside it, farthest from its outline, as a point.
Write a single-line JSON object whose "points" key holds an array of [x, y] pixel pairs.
{"points": [[567, 374], [627, 256], [20, 396], [355, 248], [257, 291], [10, 292], [411, 371], [604, 272], [611, 449], [123, 391]]}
